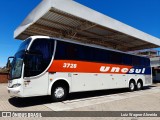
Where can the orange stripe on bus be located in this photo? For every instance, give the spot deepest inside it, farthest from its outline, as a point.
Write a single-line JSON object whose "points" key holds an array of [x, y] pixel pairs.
{"points": [[86, 67]]}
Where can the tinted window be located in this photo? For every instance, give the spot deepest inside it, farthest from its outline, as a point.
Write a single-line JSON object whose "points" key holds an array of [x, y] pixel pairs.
{"points": [[116, 58], [60, 51], [136, 60], [24, 45], [84, 53], [69, 51], [33, 65], [44, 49], [140, 61], [100, 55], [147, 62], [65, 51], [127, 59]]}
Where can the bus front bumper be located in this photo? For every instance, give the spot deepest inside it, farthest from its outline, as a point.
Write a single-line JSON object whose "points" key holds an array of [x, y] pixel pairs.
{"points": [[14, 91]]}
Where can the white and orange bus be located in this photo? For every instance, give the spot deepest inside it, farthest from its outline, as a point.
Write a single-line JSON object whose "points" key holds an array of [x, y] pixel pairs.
{"points": [[56, 67]]}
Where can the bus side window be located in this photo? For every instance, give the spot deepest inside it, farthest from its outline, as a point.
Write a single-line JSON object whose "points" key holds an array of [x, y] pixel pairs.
{"points": [[60, 51], [70, 50], [127, 59], [147, 62], [80, 53], [136, 61], [100, 56], [88, 53], [116, 58], [143, 61]]}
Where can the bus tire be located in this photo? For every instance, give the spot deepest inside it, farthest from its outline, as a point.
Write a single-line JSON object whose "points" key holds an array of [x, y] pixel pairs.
{"points": [[139, 85], [59, 93], [132, 86]]}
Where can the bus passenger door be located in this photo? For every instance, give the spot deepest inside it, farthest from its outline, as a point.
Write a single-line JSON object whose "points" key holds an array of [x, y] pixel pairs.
{"points": [[35, 76], [37, 61], [36, 86]]}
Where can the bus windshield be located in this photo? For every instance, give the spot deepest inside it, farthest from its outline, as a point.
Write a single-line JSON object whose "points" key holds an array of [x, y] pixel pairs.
{"points": [[24, 45], [16, 66], [17, 63]]}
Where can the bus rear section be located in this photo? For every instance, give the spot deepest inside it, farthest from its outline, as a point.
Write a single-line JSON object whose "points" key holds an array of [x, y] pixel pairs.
{"points": [[56, 67]]}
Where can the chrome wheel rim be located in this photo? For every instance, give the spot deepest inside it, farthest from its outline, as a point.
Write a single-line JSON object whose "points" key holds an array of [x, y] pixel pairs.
{"points": [[132, 86], [139, 85], [59, 92]]}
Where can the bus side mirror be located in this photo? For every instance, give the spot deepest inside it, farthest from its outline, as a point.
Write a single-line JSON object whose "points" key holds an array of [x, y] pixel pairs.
{"points": [[8, 65]]}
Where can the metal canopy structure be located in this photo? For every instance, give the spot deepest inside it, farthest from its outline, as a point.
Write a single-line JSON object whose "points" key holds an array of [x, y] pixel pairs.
{"points": [[69, 19]]}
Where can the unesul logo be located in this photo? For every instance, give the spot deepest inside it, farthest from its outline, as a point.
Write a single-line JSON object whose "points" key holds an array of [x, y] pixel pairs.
{"points": [[121, 70]]}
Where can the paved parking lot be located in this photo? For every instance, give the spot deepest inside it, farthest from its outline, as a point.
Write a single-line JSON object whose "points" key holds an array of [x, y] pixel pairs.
{"points": [[109, 100], [8, 103]]}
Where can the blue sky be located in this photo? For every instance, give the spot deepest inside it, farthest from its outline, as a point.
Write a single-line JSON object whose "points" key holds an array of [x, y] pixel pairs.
{"points": [[141, 14]]}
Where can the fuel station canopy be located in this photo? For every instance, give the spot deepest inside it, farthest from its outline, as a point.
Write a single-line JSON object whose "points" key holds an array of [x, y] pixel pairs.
{"points": [[71, 20]]}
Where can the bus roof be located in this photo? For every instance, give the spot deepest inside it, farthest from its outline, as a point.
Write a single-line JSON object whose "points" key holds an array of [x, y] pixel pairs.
{"points": [[69, 19]]}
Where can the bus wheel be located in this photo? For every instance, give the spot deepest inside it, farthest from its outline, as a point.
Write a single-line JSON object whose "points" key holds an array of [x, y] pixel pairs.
{"points": [[59, 93], [139, 85], [131, 86]]}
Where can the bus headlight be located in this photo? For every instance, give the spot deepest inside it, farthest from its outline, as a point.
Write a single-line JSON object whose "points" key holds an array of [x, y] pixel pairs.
{"points": [[16, 85]]}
